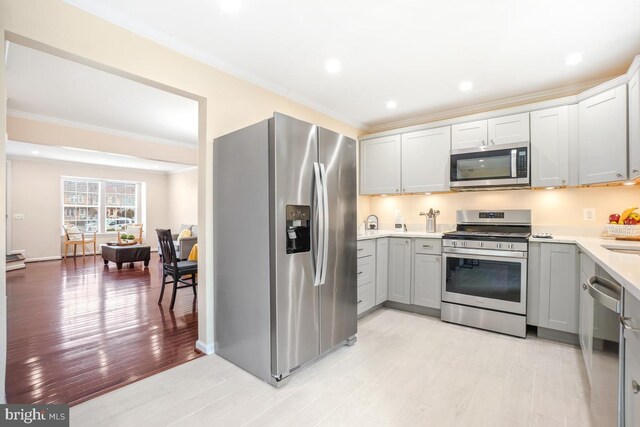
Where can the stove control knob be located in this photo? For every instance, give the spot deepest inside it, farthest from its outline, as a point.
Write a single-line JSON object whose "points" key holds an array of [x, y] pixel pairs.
{"points": [[482, 244], [454, 243], [499, 245], [510, 245], [464, 243]]}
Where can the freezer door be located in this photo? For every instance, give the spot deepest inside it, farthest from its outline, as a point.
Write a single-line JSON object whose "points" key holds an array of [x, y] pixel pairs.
{"points": [[293, 150], [338, 293]]}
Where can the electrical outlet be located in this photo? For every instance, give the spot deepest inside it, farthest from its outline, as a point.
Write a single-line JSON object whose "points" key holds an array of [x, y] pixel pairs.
{"points": [[589, 214], [18, 217]]}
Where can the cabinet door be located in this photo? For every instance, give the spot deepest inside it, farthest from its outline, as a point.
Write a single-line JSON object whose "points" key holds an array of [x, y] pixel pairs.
{"points": [[469, 135], [634, 126], [509, 129], [426, 280], [602, 137], [380, 165], [400, 270], [533, 285], [550, 147], [585, 328], [382, 269], [631, 385], [425, 160], [559, 287]]}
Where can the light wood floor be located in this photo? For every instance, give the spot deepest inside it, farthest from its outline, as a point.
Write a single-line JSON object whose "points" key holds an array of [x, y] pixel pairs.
{"points": [[405, 369]]}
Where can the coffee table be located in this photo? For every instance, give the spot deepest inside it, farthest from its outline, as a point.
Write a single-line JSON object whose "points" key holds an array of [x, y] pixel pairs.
{"points": [[122, 254]]}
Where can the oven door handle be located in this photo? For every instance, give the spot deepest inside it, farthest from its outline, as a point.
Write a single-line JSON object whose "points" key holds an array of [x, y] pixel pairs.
{"points": [[486, 253]]}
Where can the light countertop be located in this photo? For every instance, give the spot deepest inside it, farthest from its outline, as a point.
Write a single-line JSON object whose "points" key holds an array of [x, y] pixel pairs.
{"points": [[625, 268]]}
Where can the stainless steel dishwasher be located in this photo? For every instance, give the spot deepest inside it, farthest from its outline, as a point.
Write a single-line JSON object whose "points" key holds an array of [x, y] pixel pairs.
{"points": [[606, 369]]}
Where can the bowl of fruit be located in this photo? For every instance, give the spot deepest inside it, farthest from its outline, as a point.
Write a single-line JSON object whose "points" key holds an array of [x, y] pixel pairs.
{"points": [[624, 225]]}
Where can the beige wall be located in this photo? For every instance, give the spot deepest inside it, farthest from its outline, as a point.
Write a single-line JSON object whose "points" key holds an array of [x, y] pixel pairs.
{"points": [[38, 132], [226, 103], [36, 191], [561, 208], [183, 198]]}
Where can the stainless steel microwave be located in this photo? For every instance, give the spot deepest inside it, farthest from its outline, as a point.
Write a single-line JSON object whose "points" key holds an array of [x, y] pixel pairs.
{"points": [[504, 165]]}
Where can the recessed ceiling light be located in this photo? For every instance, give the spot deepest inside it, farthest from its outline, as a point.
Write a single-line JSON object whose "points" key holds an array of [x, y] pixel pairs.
{"points": [[333, 66], [427, 194], [550, 188], [35, 152], [231, 7], [383, 195], [465, 86], [573, 59], [629, 183], [391, 104], [156, 167]]}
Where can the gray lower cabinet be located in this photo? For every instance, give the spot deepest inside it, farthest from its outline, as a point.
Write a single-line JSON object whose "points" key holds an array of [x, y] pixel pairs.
{"points": [[399, 289], [427, 271], [382, 269], [366, 275], [586, 309], [533, 285], [631, 386], [559, 287]]}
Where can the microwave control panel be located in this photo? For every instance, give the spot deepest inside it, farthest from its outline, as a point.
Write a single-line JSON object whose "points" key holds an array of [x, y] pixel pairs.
{"points": [[522, 163]]}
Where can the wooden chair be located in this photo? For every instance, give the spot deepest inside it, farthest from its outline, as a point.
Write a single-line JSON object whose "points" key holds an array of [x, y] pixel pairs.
{"points": [[173, 268], [135, 229], [76, 237]]}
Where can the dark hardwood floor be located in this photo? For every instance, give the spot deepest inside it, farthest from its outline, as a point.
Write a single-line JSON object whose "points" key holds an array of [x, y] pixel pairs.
{"points": [[78, 328]]}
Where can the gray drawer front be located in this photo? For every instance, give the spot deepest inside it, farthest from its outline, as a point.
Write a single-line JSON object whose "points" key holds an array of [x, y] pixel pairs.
{"points": [[428, 246], [366, 247], [366, 270], [366, 297]]}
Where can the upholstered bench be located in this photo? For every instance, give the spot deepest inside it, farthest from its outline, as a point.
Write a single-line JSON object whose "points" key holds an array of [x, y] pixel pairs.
{"points": [[122, 254]]}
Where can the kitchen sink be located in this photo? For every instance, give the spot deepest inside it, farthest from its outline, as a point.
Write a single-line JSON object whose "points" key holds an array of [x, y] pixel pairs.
{"points": [[623, 250]]}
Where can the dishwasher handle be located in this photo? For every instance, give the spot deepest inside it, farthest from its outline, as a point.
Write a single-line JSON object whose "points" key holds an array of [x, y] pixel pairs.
{"points": [[600, 297]]}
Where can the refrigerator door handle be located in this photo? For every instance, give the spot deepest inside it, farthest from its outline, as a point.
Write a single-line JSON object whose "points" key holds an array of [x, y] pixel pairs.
{"points": [[325, 225], [320, 246]]}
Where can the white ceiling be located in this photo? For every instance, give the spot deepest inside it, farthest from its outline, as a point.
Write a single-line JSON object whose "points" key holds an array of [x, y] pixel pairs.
{"points": [[76, 155], [46, 85], [413, 52]]}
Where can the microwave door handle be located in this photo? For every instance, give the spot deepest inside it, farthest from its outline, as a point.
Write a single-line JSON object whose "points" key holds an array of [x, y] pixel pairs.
{"points": [[514, 169]]}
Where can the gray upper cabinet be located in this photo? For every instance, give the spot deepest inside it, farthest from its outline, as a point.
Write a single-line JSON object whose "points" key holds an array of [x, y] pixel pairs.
{"points": [[602, 137], [380, 165], [425, 160], [550, 147], [508, 129], [427, 271], [382, 269], [634, 126], [559, 287], [399, 270], [469, 135]]}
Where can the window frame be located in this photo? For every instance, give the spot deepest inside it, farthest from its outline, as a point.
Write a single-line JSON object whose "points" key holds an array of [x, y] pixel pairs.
{"points": [[102, 200]]}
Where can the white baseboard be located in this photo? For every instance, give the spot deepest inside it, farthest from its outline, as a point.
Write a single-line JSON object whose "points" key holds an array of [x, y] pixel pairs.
{"points": [[15, 266], [205, 348], [43, 258]]}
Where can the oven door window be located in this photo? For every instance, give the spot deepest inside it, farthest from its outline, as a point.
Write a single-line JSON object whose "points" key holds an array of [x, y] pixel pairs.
{"points": [[493, 279], [474, 166]]}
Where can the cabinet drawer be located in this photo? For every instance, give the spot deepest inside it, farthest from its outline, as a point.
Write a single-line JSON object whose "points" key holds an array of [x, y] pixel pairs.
{"points": [[366, 270], [428, 246], [366, 247], [366, 297]]}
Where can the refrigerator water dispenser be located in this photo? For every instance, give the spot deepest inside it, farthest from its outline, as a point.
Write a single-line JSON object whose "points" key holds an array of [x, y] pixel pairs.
{"points": [[298, 227]]}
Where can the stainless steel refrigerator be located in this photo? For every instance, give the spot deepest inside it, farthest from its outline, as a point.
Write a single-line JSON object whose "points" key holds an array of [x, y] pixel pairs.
{"points": [[284, 245]]}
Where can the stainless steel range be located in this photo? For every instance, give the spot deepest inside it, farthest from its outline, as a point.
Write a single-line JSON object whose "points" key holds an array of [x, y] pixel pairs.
{"points": [[484, 273]]}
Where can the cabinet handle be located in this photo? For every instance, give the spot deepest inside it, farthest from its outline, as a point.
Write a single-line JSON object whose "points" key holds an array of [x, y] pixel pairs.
{"points": [[483, 142], [492, 141], [360, 249], [359, 301], [634, 170], [619, 175], [397, 190], [627, 326], [584, 286], [427, 246], [360, 272], [635, 387], [404, 190]]}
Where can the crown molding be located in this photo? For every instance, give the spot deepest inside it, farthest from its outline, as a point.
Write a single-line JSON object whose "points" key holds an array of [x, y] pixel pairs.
{"points": [[135, 26], [98, 129], [512, 105]]}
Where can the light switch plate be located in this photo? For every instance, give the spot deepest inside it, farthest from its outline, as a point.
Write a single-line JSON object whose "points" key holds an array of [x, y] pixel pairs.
{"points": [[589, 214], [18, 217]]}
